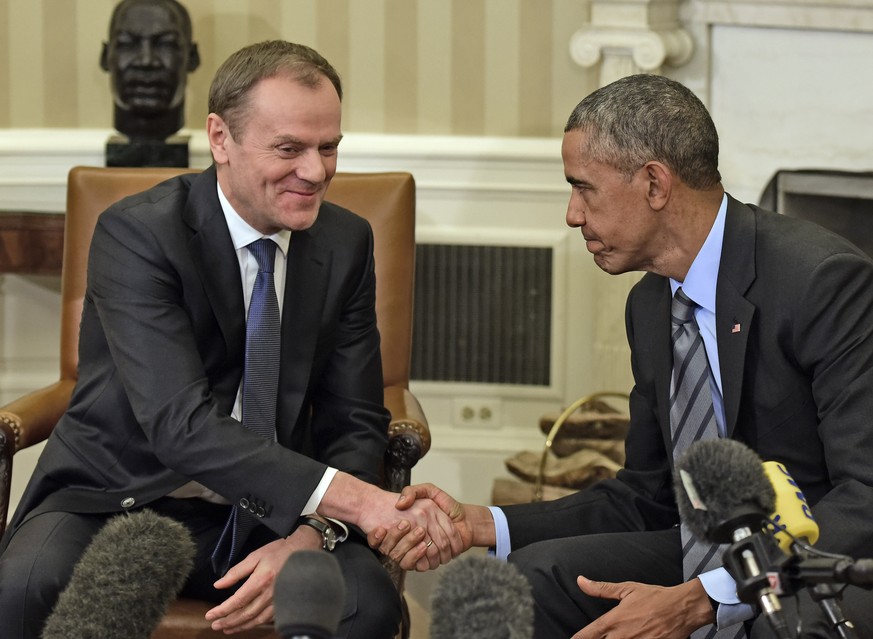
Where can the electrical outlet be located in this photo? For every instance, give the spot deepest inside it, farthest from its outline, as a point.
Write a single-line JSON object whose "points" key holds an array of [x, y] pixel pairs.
{"points": [[477, 412]]}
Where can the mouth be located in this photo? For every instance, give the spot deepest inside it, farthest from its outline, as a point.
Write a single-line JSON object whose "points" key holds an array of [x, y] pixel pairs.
{"points": [[301, 194], [593, 244]]}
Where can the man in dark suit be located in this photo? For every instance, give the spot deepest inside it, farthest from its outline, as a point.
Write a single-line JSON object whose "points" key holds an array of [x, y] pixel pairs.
{"points": [[784, 309], [155, 417]]}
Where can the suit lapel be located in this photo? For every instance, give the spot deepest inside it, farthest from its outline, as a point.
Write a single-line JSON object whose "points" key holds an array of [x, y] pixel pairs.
{"points": [[214, 258], [662, 356], [734, 313], [306, 285]]}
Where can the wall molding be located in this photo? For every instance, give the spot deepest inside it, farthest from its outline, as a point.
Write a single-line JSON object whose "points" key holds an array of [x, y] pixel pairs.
{"points": [[34, 162], [508, 191], [836, 15]]}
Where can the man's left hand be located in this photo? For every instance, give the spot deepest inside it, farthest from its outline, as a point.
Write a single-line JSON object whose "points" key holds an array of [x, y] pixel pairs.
{"points": [[252, 604], [643, 610]]}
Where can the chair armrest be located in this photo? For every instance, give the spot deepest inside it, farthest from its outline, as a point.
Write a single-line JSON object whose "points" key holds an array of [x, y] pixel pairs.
{"points": [[24, 422], [7, 448], [408, 437], [38, 412]]}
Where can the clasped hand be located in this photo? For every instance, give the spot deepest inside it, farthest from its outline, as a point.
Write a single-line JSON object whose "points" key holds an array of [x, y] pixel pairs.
{"points": [[408, 542]]}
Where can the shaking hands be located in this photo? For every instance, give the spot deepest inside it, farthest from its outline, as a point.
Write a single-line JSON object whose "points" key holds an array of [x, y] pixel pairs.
{"points": [[413, 546]]}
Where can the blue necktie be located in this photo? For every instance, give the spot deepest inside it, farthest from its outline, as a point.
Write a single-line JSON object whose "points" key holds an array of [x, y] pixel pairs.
{"points": [[260, 390], [692, 417]]}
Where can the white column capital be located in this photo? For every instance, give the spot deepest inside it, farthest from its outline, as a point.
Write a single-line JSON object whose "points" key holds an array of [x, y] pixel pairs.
{"points": [[631, 36], [647, 48]]}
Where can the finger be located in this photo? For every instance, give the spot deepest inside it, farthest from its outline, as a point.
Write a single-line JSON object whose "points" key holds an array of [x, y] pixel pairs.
{"points": [[407, 543], [250, 617], [375, 537], [599, 589], [451, 544], [446, 538], [410, 494], [423, 564], [236, 602], [257, 612], [237, 572], [434, 557], [416, 559], [393, 536]]}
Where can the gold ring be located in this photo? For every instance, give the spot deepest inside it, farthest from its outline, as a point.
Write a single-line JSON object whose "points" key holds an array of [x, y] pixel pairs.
{"points": [[429, 544]]}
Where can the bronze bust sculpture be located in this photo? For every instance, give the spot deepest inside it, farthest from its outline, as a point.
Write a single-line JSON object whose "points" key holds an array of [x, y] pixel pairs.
{"points": [[148, 56]]}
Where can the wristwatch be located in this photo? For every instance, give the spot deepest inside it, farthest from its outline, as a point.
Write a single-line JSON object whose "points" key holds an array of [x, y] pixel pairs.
{"points": [[328, 534]]}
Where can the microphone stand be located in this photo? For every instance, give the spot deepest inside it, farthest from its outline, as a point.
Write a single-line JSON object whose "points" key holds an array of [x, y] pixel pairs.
{"points": [[743, 560], [819, 574]]}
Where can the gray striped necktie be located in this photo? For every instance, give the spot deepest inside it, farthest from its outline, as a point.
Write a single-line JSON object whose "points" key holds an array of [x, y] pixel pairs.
{"points": [[692, 417], [260, 390]]}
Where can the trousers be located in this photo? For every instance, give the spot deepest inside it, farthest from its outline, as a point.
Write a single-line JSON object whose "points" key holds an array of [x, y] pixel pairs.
{"points": [[39, 560], [652, 557]]}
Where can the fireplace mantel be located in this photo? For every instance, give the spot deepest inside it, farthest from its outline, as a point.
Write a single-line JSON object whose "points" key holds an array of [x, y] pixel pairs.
{"points": [[836, 15]]}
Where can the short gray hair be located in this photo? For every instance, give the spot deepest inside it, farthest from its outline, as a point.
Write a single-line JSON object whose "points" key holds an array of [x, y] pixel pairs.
{"points": [[645, 117], [235, 78]]}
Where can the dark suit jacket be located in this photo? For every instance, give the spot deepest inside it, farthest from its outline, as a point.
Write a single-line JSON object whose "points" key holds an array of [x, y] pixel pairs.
{"points": [[161, 357], [797, 381]]}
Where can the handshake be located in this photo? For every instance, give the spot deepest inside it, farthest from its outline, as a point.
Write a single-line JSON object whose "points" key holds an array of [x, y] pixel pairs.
{"points": [[431, 529]]}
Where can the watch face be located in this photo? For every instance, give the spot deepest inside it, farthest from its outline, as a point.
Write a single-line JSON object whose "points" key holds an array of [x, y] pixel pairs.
{"points": [[329, 539]]}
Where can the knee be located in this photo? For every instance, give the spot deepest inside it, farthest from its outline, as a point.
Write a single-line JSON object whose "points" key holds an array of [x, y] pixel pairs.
{"points": [[26, 597], [378, 609], [545, 566]]}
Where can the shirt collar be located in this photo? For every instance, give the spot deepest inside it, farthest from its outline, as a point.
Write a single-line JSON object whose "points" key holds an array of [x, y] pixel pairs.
{"points": [[241, 233], [700, 282]]}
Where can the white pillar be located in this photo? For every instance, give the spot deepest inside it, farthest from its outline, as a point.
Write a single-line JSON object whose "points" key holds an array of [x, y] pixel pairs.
{"points": [[631, 36]]}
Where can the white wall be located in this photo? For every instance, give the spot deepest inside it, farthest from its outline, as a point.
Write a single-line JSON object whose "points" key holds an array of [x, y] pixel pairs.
{"points": [[509, 192], [789, 84]]}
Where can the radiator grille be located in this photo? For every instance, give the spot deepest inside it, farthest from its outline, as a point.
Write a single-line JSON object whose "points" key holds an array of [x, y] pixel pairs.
{"points": [[482, 314]]}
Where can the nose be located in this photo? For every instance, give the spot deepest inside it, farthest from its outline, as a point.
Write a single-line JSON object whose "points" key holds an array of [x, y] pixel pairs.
{"points": [[313, 167], [575, 211], [145, 54]]}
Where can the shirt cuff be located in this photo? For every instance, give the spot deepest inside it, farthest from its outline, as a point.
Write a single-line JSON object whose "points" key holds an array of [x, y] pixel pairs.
{"points": [[501, 531], [319, 492], [719, 585]]}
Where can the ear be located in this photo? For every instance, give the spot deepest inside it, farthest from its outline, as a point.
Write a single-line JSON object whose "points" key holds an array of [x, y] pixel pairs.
{"points": [[659, 180], [193, 58], [218, 135], [104, 57]]}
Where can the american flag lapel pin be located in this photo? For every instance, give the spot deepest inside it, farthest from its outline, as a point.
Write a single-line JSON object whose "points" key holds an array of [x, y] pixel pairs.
{"points": [[736, 328]]}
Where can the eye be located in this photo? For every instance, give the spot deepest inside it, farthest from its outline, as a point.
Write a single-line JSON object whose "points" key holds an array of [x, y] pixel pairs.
{"points": [[125, 40], [168, 41], [328, 150]]}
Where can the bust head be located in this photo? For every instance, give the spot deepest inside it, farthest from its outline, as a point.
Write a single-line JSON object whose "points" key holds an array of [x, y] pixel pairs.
{"points": [[148, 56]]}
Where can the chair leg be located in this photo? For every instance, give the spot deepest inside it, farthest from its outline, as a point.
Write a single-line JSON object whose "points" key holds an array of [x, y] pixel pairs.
{"points": [[403, 633]]}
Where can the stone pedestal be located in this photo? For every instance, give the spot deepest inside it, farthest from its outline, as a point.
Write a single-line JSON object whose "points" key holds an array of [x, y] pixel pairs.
{"points": [[171, 152]]}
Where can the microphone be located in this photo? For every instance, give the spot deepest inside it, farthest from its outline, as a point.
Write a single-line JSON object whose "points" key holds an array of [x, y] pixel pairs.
{"points": [[309, 596], [795, 530], [724, 497], [121, 586], [721, 490], [791, 525], [483, 597], [792, 518]]}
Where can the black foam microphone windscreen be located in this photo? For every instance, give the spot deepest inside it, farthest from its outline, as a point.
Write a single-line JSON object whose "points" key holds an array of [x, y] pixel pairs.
{"points": [[483, 597], [309, 595], [720, 485], [124, 581]]}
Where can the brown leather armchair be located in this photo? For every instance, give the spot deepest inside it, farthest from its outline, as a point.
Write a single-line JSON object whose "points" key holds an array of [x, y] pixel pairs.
{"points": [[387, 200]]}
